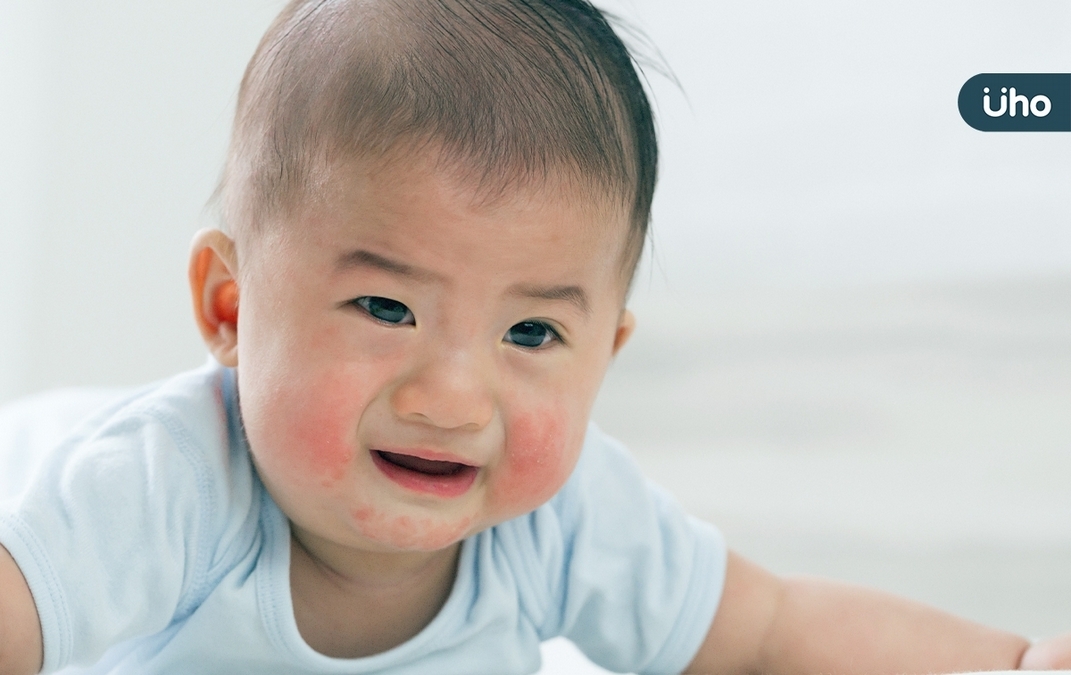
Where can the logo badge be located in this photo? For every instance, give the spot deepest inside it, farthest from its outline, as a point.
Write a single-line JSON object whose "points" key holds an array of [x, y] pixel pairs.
{"points": [[1017, 102]]}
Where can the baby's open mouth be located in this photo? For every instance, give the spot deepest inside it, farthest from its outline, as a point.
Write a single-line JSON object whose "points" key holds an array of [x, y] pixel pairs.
{"points": [[429, 467], [431, 476]]}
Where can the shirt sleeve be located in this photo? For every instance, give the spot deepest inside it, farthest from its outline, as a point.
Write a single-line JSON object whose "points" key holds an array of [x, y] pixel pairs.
{"points": [[31, 426], [106, 534], [641, 579]]}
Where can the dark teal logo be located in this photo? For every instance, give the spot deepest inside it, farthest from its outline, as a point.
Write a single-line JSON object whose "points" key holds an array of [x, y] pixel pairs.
{"points": [[1017, 102]]}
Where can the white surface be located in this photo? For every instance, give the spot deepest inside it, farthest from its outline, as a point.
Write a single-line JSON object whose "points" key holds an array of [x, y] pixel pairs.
{"points": [[561, 657]]}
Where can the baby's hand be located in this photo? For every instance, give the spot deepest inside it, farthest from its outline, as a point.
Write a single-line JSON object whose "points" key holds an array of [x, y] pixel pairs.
{"points": [[1048, 654]]}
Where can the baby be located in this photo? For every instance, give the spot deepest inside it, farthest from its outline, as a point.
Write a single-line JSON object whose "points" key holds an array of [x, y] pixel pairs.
{"points": [[434, 211]]}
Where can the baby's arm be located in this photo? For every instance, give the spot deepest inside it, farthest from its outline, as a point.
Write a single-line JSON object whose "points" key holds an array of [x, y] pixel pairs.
{"points": [[20, 628], [801, 625]]}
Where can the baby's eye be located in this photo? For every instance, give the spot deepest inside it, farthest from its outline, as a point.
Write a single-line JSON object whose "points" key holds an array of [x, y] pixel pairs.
{"points": [[531, 334], [386, 310]]}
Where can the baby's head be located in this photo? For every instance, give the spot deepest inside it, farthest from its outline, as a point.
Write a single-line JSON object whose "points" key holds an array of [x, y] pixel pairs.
{"points": [[435, 210]]}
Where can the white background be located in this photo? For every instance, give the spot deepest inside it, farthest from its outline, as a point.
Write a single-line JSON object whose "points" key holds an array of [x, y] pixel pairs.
{"points": [[814, 144], [854, 350]]}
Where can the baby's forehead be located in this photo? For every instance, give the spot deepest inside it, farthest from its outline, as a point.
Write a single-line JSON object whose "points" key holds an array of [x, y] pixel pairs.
{"points": [[431, 173], [386, 209]]}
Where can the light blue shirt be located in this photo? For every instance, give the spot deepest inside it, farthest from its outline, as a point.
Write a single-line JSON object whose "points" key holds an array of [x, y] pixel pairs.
{"points": [[151, 546]]}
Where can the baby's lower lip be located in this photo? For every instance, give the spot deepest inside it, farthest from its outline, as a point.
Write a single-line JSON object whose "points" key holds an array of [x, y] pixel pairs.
{"points": [[442, 479]]}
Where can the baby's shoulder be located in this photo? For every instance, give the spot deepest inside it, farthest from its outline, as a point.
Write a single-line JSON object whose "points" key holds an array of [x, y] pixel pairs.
{"points": [[184, 432], [153, 487], [191, 408], [605, 473], [31, 427], [606, 506], [180, 434], [608, 542]]}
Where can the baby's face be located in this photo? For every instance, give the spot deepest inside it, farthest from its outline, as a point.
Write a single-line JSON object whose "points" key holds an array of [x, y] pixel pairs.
{"points": [[415, 366]]}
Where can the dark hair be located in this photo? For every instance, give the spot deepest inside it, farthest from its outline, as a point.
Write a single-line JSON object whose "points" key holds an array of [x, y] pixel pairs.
{"points": [[510, 90]]}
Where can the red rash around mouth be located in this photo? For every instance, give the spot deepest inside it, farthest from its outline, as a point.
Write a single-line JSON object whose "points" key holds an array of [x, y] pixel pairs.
{"points": [[406, 532]]}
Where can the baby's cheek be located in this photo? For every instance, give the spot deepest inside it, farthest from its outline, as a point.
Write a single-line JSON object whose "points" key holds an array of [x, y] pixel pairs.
{"points": [[539, 458], [320, 440]]}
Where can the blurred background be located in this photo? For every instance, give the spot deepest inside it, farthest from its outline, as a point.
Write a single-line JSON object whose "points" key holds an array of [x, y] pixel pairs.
{"points": [[854, 342]]}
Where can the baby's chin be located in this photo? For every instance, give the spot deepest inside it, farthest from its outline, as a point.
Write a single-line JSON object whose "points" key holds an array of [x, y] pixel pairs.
{"points": [[413, 532]]}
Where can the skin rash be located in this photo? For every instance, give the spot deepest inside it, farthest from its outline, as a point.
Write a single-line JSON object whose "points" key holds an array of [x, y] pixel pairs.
{"points": [[537, 467], [324, 447], [406, 531]]}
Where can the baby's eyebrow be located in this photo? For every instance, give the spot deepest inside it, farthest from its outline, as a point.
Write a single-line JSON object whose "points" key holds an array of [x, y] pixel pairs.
{"points": [[571, 294], [362, 258], [574, 295]]}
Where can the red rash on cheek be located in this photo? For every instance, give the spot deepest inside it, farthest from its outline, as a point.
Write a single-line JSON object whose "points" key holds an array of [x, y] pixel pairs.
{"points": [[320, 440], [536, 465], [328, 457]]}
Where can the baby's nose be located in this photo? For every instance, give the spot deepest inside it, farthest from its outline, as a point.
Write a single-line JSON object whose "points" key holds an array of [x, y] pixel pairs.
{"points": [[449, 393]]}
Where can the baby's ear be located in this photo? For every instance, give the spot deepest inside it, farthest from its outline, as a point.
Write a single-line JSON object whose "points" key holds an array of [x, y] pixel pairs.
{"points": [[214, 290], [625, 325]]}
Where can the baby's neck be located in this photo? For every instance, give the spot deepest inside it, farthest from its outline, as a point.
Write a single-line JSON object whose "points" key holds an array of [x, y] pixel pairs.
{"points": [[355, 603]]}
